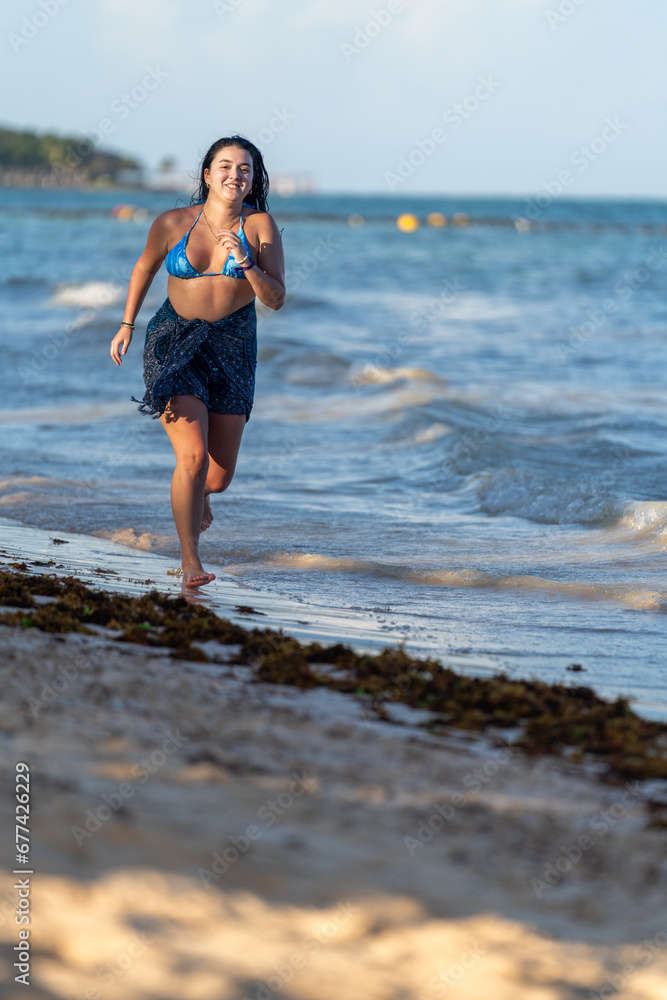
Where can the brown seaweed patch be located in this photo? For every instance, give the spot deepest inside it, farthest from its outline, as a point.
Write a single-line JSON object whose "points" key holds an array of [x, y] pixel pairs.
{"points": [[552, 718]]}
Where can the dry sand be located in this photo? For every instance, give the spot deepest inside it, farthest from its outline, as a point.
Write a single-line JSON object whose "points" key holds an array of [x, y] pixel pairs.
{"points": [[322, 896]]}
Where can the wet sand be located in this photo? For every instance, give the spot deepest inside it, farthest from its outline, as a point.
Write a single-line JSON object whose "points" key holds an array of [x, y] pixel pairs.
{"points": [[199, 835], [126, 565]]}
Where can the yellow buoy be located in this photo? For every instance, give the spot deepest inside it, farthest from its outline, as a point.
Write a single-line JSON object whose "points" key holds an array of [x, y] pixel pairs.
{"points": [[355, 221], [407, 222], [436, 219], [123, 212], [460, 219]]}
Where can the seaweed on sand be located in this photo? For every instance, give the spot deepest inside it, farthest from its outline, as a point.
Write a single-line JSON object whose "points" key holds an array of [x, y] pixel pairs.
{"points": [[551, 718]]}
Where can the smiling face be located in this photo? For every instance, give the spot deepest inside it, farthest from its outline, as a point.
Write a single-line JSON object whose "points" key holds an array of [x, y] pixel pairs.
{"points": [[230, 174]]}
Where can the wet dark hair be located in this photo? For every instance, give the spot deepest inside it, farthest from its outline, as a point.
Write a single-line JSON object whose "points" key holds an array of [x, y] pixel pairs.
{"points": [[259, 192]]}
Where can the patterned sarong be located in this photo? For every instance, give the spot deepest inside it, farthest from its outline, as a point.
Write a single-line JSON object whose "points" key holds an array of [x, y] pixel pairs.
{"points": [[191, 357]]}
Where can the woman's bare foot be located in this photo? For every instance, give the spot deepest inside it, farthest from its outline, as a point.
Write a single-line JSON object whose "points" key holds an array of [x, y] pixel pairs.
{"points": [[207, 516], [195, 576]]}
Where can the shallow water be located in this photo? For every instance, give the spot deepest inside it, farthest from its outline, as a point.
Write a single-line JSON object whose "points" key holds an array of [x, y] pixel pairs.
{"points": [[458, 432]]}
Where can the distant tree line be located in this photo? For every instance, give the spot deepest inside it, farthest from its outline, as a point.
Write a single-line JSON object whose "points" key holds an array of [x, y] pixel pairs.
{"points": [[63, 159]]}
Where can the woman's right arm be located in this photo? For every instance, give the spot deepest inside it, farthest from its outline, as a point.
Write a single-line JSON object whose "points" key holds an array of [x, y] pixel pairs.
{"points": [[142, 275]]}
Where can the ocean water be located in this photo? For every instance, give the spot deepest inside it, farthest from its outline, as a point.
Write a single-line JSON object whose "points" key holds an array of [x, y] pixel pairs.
{"points": [[459, 431]]}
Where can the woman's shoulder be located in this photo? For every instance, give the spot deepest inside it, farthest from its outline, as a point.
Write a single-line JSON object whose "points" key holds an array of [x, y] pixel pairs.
{"points": [[176, 217], [257, 211], [262, 220]]}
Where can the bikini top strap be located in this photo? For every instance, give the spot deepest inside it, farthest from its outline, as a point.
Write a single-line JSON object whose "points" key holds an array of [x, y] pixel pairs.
{"points": [[245, 205], [184, 237]]}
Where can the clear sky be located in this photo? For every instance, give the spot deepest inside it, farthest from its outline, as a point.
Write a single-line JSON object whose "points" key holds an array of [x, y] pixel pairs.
{"points": [[350, 91]]}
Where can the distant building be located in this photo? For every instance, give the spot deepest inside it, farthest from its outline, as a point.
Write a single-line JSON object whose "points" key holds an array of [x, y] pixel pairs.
{"points": [[171, 179], [301, 182], [168, 177]]}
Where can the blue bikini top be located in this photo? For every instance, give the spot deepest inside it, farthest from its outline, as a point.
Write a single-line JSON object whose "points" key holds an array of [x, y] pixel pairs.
{"points": [[179, 266]]}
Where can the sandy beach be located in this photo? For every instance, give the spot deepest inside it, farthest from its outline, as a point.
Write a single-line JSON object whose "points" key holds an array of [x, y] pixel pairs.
{"points": [[200, 835]]}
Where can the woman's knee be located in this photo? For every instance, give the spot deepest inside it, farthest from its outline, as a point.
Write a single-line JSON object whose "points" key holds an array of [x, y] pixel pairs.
{"points": [[193, 461], [218, 481]]}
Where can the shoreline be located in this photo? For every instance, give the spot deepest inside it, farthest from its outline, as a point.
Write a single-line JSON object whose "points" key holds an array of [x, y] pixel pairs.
{"points": [[126, 566], [97, 561], [292, 643]]}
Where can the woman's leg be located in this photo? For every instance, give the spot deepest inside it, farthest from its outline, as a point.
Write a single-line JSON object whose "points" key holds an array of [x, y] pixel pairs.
{"points": [[186, 423], [224, 440]]}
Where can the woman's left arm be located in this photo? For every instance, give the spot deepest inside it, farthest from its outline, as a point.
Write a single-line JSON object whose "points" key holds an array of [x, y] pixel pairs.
{"points": [[268, 276]]}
